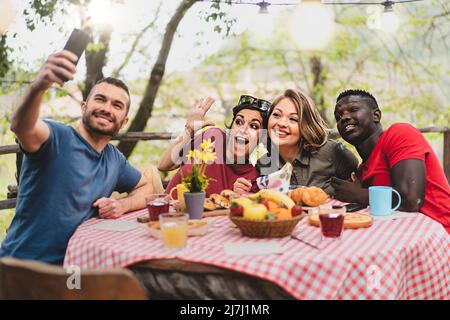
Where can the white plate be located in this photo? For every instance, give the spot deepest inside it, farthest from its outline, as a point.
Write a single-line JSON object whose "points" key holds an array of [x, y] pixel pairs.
{"points": [[199, 231]]}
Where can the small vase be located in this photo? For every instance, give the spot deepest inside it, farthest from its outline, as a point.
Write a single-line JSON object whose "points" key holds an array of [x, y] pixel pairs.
{"points": [[194, 204]]}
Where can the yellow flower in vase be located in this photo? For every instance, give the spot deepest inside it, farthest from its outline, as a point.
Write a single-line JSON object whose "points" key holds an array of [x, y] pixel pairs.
{"points": [[207, 145], [196, 180], [195, 155]]}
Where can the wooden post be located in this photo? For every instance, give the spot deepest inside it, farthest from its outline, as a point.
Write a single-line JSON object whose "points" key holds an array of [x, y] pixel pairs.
{"points": [[7, 204], [446, 162]]}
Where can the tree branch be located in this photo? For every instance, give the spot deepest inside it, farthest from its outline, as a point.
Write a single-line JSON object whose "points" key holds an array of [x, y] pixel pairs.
{"points": [[138, 38], [146, 106]]}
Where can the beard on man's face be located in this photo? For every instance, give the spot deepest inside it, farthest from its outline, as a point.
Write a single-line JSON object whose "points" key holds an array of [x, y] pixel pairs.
{"points": [[88, 120]]}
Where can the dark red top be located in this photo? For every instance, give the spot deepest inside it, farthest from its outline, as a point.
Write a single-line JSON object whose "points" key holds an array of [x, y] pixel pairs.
{"points": [[400, 142], [224, 174]]}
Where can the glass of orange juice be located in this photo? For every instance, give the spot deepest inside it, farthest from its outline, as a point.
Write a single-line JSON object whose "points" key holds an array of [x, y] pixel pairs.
{"points": [[174, 228]]}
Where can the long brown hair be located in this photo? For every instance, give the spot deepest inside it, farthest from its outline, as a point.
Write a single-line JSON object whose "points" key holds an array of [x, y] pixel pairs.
{"points": [[313, 129]]}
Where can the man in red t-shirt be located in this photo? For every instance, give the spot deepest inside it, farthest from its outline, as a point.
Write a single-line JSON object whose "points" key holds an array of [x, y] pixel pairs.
{"points": [[400, 157]]}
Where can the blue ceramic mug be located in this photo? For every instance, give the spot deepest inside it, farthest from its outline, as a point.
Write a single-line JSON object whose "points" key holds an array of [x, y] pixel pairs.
{"points": [[380, 200]]}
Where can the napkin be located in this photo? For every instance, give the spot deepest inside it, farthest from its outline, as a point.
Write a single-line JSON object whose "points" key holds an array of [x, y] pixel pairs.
{"points": [[115, 225], [252, 248], [258, 153], [396, 215], [278, 180]]}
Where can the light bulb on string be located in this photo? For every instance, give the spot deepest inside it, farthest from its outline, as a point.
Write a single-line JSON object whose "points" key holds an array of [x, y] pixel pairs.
{"points": [[262, 24], [312, 25], [389, 22], [263, 7]]}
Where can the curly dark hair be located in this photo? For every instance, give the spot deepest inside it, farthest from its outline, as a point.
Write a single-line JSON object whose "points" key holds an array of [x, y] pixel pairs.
{"points": [[362, 93]]}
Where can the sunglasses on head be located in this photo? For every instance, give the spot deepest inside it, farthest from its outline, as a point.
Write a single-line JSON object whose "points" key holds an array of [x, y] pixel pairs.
{"points": [[262, 105]]}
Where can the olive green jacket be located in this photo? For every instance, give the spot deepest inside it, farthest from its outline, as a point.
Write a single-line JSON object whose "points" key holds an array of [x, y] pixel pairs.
{"points": [[333, 159]]}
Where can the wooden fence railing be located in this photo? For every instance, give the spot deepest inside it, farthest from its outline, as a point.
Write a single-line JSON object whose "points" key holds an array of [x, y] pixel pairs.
{"points": [[146, 136]]}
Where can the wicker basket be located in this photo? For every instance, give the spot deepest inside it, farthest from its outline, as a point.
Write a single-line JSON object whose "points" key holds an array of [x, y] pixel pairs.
{"points": [[266, 229]]}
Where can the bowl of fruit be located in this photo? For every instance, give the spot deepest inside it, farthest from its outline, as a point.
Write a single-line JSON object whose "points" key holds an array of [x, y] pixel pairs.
{"points": [[266, 214]]}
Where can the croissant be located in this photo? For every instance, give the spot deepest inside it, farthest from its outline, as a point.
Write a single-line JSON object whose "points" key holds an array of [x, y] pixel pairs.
{"points": [[314, 196], [297, 195]]}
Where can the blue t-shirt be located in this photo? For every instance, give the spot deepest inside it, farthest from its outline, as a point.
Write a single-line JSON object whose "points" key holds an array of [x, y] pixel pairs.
{"points": [[58, 185]]}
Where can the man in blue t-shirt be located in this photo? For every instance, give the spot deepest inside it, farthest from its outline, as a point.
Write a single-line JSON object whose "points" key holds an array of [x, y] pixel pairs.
{"points": [[69, 174]]}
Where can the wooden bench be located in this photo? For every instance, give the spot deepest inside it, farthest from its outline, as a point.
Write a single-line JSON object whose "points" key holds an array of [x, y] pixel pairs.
{"points": [[30, 280]]}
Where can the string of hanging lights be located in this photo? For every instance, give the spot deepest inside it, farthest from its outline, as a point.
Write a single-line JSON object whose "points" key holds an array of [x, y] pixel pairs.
{"points": [[313, 21], [387, 21]]}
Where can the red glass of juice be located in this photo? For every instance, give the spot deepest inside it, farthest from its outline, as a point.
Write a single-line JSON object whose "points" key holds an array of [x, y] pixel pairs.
{"points": [[157, 204], [332, 222]]}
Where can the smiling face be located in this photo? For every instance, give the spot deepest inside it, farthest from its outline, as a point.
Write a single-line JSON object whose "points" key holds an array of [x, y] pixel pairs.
{"points": [[283, 124], [356, 119], [245, 132], [105, 111]]}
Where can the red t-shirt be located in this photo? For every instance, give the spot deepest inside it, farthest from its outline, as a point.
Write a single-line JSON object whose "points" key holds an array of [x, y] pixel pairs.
{"points": [[400, 142], [224, 174]]}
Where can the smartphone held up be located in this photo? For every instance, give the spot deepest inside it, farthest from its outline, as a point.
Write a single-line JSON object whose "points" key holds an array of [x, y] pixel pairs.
{"points": [[76, 44]]}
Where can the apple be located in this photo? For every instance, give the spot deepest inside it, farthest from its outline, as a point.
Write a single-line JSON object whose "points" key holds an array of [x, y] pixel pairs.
{"points": [[255, 211], [296, 210], [236, 210]]}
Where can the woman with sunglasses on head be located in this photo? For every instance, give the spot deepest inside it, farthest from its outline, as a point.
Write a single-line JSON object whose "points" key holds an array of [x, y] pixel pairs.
{"points": [[232, 148], [299, 135]]}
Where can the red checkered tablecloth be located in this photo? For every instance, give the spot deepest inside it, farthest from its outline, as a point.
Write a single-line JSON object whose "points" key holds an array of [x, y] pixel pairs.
{"points": [[406, 258]]}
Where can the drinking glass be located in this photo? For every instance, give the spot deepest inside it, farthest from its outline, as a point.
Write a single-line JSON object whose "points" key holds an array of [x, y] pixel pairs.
{"points": [[157, 204], [174, 228], [331, 222]]}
